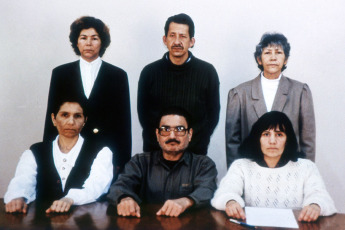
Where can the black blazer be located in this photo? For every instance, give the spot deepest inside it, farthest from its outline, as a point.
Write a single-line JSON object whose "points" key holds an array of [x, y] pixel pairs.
{"points": [[108, 108]]}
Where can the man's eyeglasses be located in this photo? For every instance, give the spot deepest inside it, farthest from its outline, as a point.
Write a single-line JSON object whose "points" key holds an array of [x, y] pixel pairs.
{"points": [[178, 130]]}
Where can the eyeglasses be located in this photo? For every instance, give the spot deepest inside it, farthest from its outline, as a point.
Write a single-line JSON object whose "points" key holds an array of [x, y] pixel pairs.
{"points": [[178, 130]]}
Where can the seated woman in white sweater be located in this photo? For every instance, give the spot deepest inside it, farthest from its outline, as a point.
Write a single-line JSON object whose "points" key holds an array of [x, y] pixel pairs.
{"points": [[272, 174]]}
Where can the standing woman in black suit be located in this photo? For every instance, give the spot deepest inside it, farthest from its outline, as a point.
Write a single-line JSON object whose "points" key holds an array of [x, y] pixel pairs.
{"points": [[103, 85]]}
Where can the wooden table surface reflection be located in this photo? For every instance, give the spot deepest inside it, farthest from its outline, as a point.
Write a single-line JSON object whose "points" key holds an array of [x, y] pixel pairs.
{"points": [[99, 216]]}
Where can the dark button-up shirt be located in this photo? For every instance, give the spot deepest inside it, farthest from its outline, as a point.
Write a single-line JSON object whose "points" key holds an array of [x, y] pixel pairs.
{"points": [[147, 178]]}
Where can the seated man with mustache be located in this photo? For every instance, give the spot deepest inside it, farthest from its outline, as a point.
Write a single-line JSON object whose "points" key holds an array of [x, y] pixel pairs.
{"points": [[172, 176]]}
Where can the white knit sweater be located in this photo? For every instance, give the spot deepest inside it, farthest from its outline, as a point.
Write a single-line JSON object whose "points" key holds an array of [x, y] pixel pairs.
{"points": [[295, 185]]}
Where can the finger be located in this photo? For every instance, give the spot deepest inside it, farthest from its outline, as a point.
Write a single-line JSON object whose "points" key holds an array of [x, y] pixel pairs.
{"points": [[25, 207], [302, 214], [241, 213], [162, 211], [137, 210]]}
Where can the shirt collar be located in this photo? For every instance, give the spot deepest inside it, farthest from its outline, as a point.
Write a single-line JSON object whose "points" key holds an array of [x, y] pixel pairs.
{"points": [[72, 155], [269, 80], [98, 60]]}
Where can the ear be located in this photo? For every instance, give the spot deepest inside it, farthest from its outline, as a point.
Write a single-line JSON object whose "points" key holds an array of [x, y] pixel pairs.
{"points": [[157, 135], [53, 119], [286, 60], [190, 134], [192, 42], [259, 60], [85, 121], [165, 40]]}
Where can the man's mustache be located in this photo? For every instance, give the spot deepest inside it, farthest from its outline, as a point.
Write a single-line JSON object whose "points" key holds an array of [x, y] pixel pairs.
{"points": [[172, 140], [177, 46]]}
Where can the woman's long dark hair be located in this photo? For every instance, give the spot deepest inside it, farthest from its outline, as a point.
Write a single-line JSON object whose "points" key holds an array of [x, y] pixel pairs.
{"points": [[251, 147]]}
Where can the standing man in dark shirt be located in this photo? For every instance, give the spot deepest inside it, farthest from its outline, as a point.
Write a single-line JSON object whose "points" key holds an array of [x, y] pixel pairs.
{"points": [[179, 79], [176, 178]]}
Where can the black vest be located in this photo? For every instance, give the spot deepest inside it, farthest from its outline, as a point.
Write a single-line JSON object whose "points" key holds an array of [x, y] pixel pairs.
{"points": [[49, 186]]}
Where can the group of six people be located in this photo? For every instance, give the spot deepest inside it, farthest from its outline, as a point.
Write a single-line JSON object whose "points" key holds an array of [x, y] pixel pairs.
{"points": [[86, 150]]}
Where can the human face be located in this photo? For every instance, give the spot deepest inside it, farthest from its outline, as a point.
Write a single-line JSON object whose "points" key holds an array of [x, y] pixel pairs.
{"points": [[272, 59], [89, 44], [173, 146], [70, 120], [178, 42], [272, 143]]}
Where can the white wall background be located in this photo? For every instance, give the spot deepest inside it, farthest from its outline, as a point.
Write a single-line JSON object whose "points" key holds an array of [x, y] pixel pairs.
{"points": [[34, 39]]}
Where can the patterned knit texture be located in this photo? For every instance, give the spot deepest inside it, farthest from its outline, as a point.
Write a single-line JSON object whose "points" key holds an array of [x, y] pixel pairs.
{"points": [[295, 185]]}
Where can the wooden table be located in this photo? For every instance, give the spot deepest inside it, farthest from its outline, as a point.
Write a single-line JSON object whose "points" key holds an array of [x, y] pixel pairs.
{"points": [[99, 216]]}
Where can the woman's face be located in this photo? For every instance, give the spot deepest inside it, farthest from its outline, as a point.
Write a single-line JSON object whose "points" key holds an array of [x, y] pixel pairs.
{"points": [[70, 119], [272, 59], [272, 143], [89, 44]]}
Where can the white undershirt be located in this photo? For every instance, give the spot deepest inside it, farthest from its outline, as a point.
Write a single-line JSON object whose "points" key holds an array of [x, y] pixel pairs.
{"points": [[269, 89], [101, 174], [89, 72]]}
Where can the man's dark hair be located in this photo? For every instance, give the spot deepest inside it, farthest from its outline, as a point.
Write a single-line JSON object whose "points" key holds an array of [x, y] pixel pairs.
{"points": [[174, 110], [180, 19], [69, 97], [269, 39], [251, 147], [87, 22]]}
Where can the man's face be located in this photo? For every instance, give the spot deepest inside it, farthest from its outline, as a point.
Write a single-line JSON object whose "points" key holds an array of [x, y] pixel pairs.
{"points": [[178, 40], [173, 142]]}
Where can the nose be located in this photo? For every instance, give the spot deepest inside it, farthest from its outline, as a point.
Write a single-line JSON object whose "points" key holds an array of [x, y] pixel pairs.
{"points": [[71, 121], [177, 40], [172, 134], [88, 41], [273, 56], [272, 139]]}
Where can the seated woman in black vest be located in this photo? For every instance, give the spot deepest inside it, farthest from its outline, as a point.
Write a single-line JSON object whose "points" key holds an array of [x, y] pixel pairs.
{"points": [[68, 171]]}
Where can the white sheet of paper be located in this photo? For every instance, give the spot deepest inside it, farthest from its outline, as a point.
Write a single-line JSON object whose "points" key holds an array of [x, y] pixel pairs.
{"points": [[270, 217]]}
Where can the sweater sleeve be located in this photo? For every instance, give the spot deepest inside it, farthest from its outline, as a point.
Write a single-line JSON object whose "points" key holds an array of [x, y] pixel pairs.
{"points": [[231, 187], [315, 191], [213, 104]]}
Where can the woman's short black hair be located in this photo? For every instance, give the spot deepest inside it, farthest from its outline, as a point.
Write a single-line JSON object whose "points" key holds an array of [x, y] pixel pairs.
{"points": [[251, 147], [87, 22], [180, 19], [269, 39], [70, 97]]}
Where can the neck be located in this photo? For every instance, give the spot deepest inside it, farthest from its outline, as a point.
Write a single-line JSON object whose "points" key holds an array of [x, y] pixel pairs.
{"points": [[66, 144], [271, 162], [272, 75], [172, 156], [178, 60]]}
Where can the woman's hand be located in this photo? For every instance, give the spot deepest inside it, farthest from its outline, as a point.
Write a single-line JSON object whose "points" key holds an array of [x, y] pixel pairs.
{"points": [[62, 205], [310, 213], [234, 209], [16, 205]]}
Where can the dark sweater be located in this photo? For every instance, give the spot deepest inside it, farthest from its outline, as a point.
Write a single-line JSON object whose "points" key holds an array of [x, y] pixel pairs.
{"points": [[48, 186], [193, 86]]}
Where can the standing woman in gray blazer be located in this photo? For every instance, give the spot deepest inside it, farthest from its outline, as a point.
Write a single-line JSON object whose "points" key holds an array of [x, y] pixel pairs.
{"points": [[270, 91]]}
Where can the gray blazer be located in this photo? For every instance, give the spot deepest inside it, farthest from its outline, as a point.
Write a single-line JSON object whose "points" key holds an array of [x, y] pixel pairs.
{"points": [[246, 104]]}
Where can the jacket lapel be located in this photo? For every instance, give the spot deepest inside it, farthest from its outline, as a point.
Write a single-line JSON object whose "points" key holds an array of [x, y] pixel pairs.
{"points": [[97, 84], [281, 95], [258, 97]]}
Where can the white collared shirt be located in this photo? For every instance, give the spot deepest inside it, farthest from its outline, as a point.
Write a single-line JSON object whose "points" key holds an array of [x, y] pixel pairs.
{"points": [[269, 89], [89, 72], [101, 174]]}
